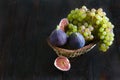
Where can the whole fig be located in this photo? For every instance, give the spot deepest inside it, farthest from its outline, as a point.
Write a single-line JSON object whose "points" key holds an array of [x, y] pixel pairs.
{"points": [[76, 40], [58, 37]]}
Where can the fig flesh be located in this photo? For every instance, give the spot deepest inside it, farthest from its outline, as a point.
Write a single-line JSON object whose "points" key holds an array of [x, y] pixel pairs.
{"points": [[76, 40], [62, 63], [63, 23], [58, 37]]}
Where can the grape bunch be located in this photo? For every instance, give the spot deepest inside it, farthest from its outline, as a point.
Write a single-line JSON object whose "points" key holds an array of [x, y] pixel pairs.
{"points": [[104, 29], [93, 24], [106, 36]]}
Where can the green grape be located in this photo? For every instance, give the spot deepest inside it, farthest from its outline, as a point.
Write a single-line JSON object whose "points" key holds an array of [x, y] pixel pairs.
{"points": [[103, 47], [79, 24], [93, 10], [98, 17], [102, 37], [70, 26], [75, 22], [82, 11], [101, 29], [92, 14], [104, 20], [68, 32], [104, 25], [111, 38], [82, 27], [107, 37], [104, 33], [97, 22], [112, 26], [107, 29], [85, 8], [86, 24], [91, 37], [80, 19], [112, 34], [109, 43], [100, 10], [90, 28], [85, 34], [83, 16]]}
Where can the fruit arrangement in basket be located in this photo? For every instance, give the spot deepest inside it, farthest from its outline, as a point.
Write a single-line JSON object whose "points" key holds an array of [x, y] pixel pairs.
{"points": [[78, 33]]}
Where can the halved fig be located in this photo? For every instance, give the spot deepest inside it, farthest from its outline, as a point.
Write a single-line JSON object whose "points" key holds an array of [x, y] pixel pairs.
{"points": [[63, 23], [62, 63]]}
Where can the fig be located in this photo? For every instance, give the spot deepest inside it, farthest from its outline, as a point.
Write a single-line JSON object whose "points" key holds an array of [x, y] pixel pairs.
{"points": [[76, 40], [58, 37], [62, 63], [63, 23]]}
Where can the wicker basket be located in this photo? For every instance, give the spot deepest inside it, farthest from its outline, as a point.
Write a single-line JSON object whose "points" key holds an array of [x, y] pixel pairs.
{"points": [[71, 53]]}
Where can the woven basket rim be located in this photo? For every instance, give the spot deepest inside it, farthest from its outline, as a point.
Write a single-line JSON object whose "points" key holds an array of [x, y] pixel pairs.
{"points": [[73, 50]]}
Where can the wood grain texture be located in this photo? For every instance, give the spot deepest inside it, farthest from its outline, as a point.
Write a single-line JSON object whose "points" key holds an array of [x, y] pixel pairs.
{"points": [[25, 54]]}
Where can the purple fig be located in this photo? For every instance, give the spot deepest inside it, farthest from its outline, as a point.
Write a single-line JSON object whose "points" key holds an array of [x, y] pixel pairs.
{"points": [[58, 37], [62, 63], [76, 40]]}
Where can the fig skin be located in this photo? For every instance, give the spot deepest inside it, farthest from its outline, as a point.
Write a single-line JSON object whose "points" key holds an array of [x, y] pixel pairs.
{"points": [[62, 63], [58, 37], [76, 41]]}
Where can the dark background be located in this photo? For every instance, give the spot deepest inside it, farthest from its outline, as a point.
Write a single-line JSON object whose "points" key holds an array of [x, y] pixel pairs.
{"points": [[25, 54]]}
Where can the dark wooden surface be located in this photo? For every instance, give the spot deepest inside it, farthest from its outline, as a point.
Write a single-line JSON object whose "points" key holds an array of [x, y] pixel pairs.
{"points": [[25, 54]]}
